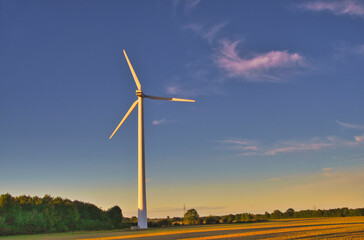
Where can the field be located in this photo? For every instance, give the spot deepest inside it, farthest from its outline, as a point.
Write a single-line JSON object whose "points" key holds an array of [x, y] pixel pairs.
{"points": [[314, 228]]}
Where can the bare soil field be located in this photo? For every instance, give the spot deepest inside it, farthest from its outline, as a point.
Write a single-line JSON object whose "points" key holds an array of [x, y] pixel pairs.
{"points": [[313, 228]]}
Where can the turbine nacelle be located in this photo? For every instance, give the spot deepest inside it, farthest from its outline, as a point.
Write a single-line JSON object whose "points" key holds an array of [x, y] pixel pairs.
{"points": [[139, 93]]}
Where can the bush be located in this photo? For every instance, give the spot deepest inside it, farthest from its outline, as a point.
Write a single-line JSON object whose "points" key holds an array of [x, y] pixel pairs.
{"points": [[211, 220]]}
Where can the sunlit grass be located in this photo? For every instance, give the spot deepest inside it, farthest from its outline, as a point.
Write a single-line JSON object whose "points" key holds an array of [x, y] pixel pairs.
{"points": [[319, 228], [315, 228]]}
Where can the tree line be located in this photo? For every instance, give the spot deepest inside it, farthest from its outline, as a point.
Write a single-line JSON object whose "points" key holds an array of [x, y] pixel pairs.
{"points": [[192, 217], [336, 212], [29, 215]]}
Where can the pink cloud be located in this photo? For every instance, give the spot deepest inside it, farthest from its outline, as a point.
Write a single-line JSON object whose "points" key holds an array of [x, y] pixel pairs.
{"points": [[257, 68], [348, 7], [359, 138]]}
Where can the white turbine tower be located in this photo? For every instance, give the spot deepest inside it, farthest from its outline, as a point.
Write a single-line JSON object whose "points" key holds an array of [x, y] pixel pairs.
{"points": [[142, 202]]}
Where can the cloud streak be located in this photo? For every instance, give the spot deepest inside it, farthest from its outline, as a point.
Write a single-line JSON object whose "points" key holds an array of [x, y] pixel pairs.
{"points": [[349, 125], [181, 89], [289, 147], [348, 7], [239, 144], [161, 122], [343, 48], [208, 34], [165, 209], [254, 148], [260, 67], [188, 4]]}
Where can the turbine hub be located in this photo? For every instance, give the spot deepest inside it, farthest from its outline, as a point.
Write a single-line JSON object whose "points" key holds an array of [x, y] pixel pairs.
{"points": [[139, 93]]}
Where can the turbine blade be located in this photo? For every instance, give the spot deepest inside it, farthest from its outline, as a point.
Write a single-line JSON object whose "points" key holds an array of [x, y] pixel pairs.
{"points": [[125, 117], [169, 99], [132, 72]]}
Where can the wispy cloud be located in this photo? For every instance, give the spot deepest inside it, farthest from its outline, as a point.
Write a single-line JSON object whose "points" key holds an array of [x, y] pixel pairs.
{"points": [[239, 144], [165, 209], [343, 7], [360, 49], [207, 33], [180, 89], [176, 89], [161, 121], [235, 141], [212, 32], [254, 148], [260, 67], [327, 172], [343, 49], [208, 208], [326, 183], [349, 125], [293, 146], [191, 4], [187, 4], [272, 179]]}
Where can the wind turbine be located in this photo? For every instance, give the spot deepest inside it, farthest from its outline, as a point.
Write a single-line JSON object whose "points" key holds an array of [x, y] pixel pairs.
{"points": [[142, 202]]}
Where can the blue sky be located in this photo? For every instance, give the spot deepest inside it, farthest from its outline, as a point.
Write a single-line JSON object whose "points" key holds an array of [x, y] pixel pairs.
{"points": [[278, 120]]}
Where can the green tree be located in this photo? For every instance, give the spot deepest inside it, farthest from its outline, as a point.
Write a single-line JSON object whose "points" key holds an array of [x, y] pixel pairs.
{"points": [[276, 214], [289, 213], [116, 216], [227, 219], [191, 217], [246, 217], [211, 220]]}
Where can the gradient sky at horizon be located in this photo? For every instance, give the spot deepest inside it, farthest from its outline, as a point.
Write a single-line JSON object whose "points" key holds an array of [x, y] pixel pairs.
{"points": [[278, 120]]}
